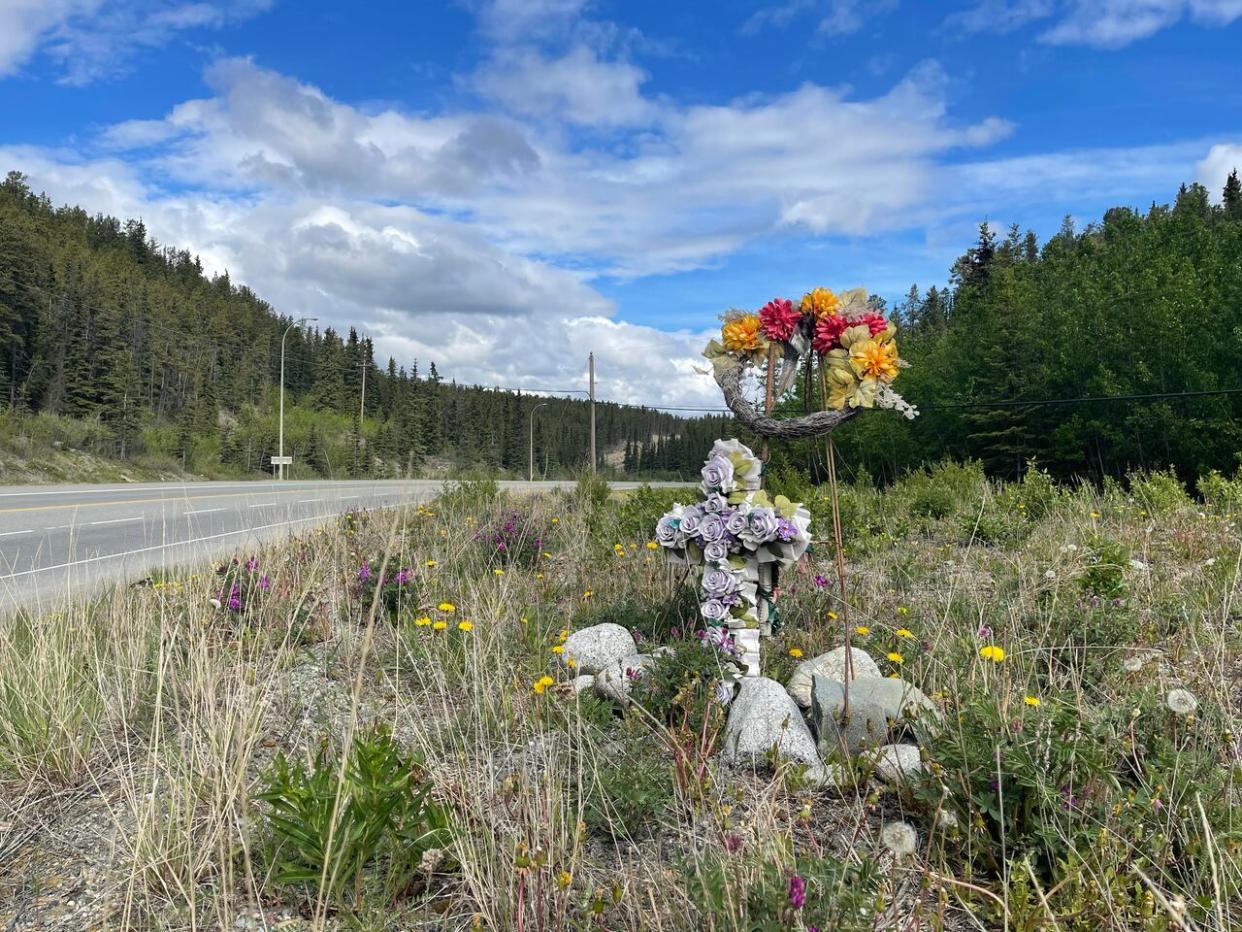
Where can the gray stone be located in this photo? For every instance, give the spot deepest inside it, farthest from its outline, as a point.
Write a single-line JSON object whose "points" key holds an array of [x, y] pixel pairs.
{"points": [[583, 682], [597, 647], [762, 717], [896, 697], [898, 763], [827, 698], [831, 665], [865, 727], [824, 776], [617, 680]]}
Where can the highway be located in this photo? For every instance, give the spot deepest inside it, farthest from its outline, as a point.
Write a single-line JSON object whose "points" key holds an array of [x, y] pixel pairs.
{"points": [[57, 541]]}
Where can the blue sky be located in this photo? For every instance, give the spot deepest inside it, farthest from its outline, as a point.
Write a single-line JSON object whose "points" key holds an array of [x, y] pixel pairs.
{"points": [[505, 185]]}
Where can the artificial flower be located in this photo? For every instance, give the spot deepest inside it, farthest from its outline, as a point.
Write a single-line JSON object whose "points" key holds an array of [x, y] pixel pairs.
{"points": [[779, 319], [743, 334], [820, 302]]}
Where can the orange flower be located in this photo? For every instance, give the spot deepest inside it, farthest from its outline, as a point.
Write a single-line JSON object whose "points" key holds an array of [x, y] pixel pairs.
{"points": [[743, 334], [875, 359], [821, 302]]}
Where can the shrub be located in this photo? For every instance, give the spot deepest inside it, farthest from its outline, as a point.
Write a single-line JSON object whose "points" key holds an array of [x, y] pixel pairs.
{"points": [[639, 511], [1158, 492], [512, 538], [327, 832], [629, 793]]}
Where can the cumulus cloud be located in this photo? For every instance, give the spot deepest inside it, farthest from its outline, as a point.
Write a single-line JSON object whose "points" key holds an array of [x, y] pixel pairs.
{"points": [[835, 17], [1100, 23], [1215, 167]]}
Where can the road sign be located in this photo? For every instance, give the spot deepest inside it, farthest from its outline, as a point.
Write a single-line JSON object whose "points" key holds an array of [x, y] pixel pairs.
{"points": [[282, 460]]}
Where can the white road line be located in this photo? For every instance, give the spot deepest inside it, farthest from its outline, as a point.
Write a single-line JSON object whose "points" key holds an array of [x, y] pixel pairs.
{"points": [[11, 533], [116, 521], [176, 543], [264, 505], [349, 498], [57, 527], [307, 501], [204, 511]]}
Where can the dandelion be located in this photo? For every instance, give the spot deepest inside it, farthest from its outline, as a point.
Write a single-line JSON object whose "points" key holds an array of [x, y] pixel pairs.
{"points": [[440, 625], [558, 649], [447, 607], [795, 652], [431, 564], [1032, 701], [652, 545], [465, 626], [543, 683], [902, 610], [1095, 514], [1181, 701], [571, 663], [539, 575], [587, 594], [992, 652], [556, 520], [899, 838], [832, 616], [564, 879], [1132, 664], [862, 630], [422, 622], [904, 633], [895, 657], [498, 572]]}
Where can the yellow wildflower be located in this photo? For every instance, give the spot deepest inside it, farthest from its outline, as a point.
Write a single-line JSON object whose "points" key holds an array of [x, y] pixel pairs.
{"points": [[465, 625], [558, 649], [652, 545], [498, 572], [743, 334], [448, 607], [896, 657], [821, 302], [832, 616], [431, 564], [571, 663], [1032, 701], [539, 575], [862, 629], [992, 652], [422, 622], [904, 633], [556, 520], [564, 879], [587, 594], [902, 610], [795, 652], [440, 625], [543, 683]]}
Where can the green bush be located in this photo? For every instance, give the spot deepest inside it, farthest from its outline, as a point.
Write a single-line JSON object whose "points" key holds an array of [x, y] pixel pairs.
{"points": [[631, 792], [1158, 492], [1105, 575], [328, 829], [639, 511]]}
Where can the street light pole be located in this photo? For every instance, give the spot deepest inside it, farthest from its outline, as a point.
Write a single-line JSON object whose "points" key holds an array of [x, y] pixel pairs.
{"points": [[281, 442], [542, 404]]}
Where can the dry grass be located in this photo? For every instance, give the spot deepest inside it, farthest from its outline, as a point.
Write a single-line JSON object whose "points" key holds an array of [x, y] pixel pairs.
{"points": [[134, 731]]}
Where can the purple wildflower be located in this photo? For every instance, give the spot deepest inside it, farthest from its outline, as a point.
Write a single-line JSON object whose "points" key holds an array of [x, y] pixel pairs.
{"points": [[984, 632], [364, 572], [797, 891], [235, 599], [820, 581], [404, 576], [252, 564], [264, 583], [733, 843]]}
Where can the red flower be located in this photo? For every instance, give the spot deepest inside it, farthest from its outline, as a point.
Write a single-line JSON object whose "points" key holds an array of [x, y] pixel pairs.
{"points": [[779, 319], [828, 332], [875, 322]]}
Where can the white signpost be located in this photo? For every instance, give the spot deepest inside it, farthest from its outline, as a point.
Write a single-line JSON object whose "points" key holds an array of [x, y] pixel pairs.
{"points": [[278, 461]]}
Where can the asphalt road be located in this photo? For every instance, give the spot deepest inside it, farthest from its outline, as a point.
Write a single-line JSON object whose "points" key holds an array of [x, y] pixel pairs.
{"points": [[56, 541]]}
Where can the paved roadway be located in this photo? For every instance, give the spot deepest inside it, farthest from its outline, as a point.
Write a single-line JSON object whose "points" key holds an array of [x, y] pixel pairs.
{"points": [[59, 540]]}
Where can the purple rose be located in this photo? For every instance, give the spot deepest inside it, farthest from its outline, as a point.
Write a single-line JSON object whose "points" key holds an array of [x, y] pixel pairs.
{"points": [[714, 610], [666, 531], [715, 504], [691, 519], [717, 474], [735, 522], [719, 583], [711, 528], [786, 530], [761, 526], [716, 552]]}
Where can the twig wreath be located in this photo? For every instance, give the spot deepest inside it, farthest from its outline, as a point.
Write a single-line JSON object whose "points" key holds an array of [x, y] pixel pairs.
{"points": [[847, 352]]}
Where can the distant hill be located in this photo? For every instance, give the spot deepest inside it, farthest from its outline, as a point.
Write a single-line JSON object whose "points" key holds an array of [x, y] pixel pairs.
{"points": [[100, 324]]}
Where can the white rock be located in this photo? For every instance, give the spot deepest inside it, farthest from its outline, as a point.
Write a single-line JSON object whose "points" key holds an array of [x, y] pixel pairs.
{"points": [[617, 680], [583, 682], [831, 665], [763, 717], [595, 648], [898, 763], [895, 696]]}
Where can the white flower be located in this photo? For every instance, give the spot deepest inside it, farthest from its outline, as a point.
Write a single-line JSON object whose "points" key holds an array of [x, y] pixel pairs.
{"points": [[1138, 565], [899, 838], [947, 818], [1070, 548], [1181, 701], [1050, 574], [1133, 664]]}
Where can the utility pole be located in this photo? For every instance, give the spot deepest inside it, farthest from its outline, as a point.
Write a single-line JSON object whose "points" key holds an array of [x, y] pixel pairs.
{"points": [[281, 442], [542, 404], [591, 367], [362, 413]]}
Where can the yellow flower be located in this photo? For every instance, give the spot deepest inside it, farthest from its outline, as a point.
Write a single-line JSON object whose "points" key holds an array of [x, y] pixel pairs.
{"points": [[821, 302], [440, 625], [863, 630], [556, 520], [795, 652], [896, 657], [992, 652], [652, 545], [1032, 701], [498, 572], [547, 556], [539, 575], [1095, 514], [447, 607], [422, 622], [904, 633], [543, 683], [465, 625], [431, 564], [743, 334], [902, 610], [832, 616], [564, 635], [587, 594], [564, 879], [571, 663], [558, 649]]}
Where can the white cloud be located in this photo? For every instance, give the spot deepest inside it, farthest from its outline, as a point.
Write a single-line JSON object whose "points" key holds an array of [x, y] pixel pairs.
{"points": [[1100, 23], [1215, 167], [507, 21], [835, 17], [92, 39]]}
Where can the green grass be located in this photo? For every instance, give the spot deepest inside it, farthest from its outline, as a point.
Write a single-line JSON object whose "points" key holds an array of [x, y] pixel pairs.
{"points": [[1097, 807]]}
